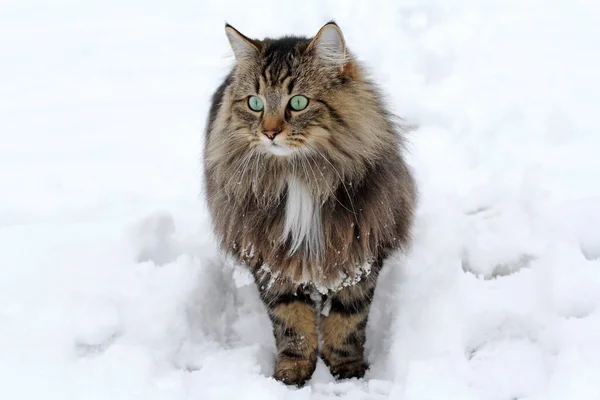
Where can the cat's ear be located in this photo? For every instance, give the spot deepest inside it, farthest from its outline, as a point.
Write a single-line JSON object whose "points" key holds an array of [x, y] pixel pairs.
{"points": [[243, 47], [329, 44]]}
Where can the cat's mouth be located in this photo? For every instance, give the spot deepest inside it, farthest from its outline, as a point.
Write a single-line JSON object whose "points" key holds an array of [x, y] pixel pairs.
{"points": [[276, 147]]}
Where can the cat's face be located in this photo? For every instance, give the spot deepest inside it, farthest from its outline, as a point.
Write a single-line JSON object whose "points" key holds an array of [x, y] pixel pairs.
{"points": [[287, 94], [294, 107]]}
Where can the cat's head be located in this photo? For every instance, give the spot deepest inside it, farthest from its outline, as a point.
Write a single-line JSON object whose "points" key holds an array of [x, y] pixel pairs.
{"points": [[293, 96]]}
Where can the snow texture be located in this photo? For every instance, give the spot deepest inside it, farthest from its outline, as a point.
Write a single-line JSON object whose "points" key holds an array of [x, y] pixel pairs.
{"points": [[110, 283]]}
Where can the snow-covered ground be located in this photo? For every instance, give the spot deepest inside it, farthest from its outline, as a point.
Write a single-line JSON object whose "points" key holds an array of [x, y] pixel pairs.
{"points": [[110, 284]]}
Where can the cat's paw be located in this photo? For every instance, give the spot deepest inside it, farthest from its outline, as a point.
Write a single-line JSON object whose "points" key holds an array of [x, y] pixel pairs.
{"points": [[354, 369], [294, 371]]}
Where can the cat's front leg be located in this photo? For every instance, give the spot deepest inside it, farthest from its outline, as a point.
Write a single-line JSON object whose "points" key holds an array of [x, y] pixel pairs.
{"points": [[294, 317], [343, 330]]}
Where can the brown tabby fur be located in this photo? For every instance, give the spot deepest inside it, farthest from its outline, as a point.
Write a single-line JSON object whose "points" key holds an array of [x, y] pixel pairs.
{"points": [[347, 153]]}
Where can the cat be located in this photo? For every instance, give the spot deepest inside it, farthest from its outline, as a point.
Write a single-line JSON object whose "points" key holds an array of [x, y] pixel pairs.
{"points": [[306, 185]]}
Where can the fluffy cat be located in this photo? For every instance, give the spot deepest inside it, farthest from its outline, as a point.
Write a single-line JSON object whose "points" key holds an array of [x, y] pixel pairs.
{"points": [[306, 186]]}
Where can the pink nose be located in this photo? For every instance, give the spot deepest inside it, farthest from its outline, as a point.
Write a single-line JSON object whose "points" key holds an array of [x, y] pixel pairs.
{"points": [[272, 133]]}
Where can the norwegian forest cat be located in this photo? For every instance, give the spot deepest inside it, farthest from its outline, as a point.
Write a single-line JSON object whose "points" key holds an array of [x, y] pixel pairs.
{"points": [[307, 187]]}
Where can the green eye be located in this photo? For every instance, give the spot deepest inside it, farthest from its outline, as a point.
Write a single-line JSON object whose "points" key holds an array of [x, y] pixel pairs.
{"points": [[298, 103], [255, 103]]}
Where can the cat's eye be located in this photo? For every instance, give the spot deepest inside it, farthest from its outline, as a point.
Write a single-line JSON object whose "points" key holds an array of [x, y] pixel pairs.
{"points": [[255, 103], [298, 103]]}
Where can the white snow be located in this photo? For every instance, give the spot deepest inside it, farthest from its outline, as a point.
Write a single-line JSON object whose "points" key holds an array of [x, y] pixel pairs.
{"points": [[110, 284]]}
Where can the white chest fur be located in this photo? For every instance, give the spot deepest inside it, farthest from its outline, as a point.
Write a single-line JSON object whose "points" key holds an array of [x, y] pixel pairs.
{"points": [[302, 219]]}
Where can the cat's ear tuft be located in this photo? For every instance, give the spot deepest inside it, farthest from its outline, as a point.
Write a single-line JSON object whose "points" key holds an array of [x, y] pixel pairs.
{"points": [[243, 47], [329, 44]]}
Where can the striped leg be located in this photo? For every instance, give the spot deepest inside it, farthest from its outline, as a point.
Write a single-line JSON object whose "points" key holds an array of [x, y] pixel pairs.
{"points": [[343, 330], [294, 319]]}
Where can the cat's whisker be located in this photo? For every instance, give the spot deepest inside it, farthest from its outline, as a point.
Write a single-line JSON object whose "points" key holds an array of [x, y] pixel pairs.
{"points": [[331, 190], [238, 173], [244, 165], [341, 181]]}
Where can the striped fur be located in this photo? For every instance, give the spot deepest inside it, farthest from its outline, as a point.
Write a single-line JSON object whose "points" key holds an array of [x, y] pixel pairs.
{"points": [[315, 208]]}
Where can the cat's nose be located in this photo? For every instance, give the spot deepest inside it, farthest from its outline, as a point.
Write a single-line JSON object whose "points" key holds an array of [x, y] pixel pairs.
{"points": [[272, 133]]}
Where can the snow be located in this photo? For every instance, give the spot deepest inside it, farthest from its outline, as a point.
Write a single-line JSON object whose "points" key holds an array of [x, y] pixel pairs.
{"points": [[110, 283]]}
